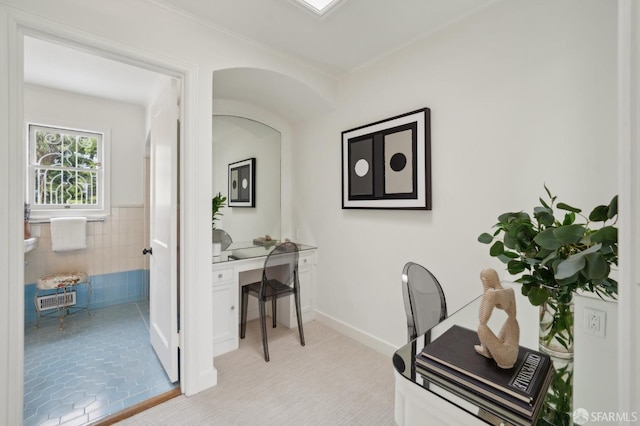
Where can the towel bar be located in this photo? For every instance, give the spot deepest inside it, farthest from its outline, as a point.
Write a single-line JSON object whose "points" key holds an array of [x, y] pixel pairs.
{"points": [[89, 219]]}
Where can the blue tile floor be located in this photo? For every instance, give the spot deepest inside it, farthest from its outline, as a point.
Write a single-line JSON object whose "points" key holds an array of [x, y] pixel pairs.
{"points": [[97, 366]]}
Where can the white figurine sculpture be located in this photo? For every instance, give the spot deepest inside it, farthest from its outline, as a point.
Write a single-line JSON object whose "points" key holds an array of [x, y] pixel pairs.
{"points": [[503, 348]]}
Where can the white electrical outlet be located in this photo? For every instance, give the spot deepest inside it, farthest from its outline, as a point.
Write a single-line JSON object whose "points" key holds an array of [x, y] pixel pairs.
{"points": [[594, 322]]}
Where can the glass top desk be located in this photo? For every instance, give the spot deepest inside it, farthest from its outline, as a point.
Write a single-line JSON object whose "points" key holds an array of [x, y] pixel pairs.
{"points": [[240, 264], [249, 250], [418, 401]]}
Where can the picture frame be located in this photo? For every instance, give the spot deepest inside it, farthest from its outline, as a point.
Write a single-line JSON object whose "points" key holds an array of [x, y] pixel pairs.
{"points": [[242, 183], [387, 164]]}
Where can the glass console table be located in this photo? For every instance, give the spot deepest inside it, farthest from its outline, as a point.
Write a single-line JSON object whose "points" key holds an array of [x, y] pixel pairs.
{"points": [[420, 401]]}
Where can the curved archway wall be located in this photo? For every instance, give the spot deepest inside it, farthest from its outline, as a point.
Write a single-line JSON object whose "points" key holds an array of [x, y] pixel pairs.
{"points": [[277, 100]]}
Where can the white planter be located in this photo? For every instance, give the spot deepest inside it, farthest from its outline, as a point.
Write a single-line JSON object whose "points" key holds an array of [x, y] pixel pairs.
{"points": [[217, 249]]}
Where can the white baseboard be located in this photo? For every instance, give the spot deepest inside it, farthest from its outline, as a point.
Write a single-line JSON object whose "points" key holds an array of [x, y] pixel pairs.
{"points": [[358, 335]]}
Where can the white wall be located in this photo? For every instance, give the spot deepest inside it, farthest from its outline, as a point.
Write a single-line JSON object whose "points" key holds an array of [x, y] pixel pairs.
{"points": [[522, 94], [126, 123]]}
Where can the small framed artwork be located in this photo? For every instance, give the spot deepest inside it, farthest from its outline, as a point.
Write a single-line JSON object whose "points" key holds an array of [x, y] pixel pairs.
{"points": [[242, 183], [387, 164]]}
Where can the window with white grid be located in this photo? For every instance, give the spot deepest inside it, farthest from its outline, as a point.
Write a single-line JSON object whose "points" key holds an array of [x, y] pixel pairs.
{"points": [[66, 171]]}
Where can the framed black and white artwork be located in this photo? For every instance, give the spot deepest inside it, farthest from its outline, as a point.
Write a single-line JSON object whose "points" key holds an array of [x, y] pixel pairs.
{"points": [[387, 164], [242, 183]]}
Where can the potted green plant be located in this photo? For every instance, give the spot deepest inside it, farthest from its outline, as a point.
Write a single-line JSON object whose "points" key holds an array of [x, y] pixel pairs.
{"points": [[555, 257], [217, 203]]}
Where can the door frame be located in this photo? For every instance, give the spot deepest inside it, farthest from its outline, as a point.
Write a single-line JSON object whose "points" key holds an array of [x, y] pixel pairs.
{"points": [[197, 370], [628, 187]]}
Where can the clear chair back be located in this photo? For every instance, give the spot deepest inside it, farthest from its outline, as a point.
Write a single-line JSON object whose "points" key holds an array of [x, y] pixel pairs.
{"points": [[282, 263], [424, 300]]}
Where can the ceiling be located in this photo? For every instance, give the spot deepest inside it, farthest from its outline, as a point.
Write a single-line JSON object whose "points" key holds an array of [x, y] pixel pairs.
{"points": [[352, 34], [54, 65]]}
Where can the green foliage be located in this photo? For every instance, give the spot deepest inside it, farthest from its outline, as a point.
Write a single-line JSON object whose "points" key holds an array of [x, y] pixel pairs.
{"points": [[66, 165], [557, 408], [217, 203], [558, 254]]}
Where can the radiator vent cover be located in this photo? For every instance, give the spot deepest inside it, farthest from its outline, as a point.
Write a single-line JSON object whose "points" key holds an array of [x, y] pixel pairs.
{"points": [[55, 301]]}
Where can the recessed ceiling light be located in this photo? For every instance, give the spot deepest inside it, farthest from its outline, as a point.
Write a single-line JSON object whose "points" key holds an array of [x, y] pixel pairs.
{"points": [[318, 4], [320, 7]]}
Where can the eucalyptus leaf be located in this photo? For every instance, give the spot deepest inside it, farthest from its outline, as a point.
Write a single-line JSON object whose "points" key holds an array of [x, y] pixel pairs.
{"points": [[569, 234], [569, 218], [570, 266], [564, 206], [547, 239], [613, 207], [543, 203], [599, 214], [496, 249], [570, 281], [511, 254], [485, 238], [551, 197], [510, 241], [537, 295], [526, 279], [607, 234], [546, 218], [574, 263], [506, 217], [548, 259], [515, 267], [597, 267], [545, 275]]}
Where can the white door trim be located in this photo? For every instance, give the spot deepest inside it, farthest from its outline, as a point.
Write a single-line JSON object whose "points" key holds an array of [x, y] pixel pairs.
{"points": [[628, 186]]}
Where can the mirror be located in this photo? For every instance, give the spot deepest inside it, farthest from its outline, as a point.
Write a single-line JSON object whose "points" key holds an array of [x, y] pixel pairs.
{"points": [[236, 139]]}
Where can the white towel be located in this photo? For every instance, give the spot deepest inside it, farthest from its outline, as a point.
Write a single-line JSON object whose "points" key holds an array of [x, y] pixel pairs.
{"points": [[68, 233]]}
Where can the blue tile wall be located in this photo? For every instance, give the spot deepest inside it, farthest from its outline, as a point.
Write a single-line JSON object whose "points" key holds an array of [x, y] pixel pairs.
{"points": [[108, 290]]}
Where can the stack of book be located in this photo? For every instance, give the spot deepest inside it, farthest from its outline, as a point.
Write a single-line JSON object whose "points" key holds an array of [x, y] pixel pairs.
{"points": [[514, 395]]}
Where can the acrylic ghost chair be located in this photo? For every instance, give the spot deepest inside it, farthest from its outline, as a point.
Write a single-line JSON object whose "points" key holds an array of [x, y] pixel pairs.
{"points": [[425, 305], [222, 237], [279, 279], [424, 301]]}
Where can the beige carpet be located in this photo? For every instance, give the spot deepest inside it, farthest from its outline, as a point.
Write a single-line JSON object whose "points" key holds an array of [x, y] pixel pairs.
{"points": [[333, 380]]}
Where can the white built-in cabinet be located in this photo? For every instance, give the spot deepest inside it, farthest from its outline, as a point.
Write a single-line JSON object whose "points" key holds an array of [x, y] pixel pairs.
{"points": [[228, 278], [226, 311]]}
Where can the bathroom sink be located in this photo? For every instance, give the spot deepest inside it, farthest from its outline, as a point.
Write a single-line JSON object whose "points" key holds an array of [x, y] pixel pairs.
{"points": [[30, 243]]}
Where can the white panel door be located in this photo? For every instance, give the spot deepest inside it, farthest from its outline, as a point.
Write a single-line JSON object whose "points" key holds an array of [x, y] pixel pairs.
{"points": [[163, 290]]}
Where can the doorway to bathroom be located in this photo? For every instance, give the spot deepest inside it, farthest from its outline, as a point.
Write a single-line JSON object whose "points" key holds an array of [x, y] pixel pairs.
{"points": [[101, 363]]}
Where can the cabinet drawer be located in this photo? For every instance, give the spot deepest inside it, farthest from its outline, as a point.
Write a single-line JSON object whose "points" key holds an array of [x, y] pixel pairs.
{"points": [[305, 259], [222, 275]]}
